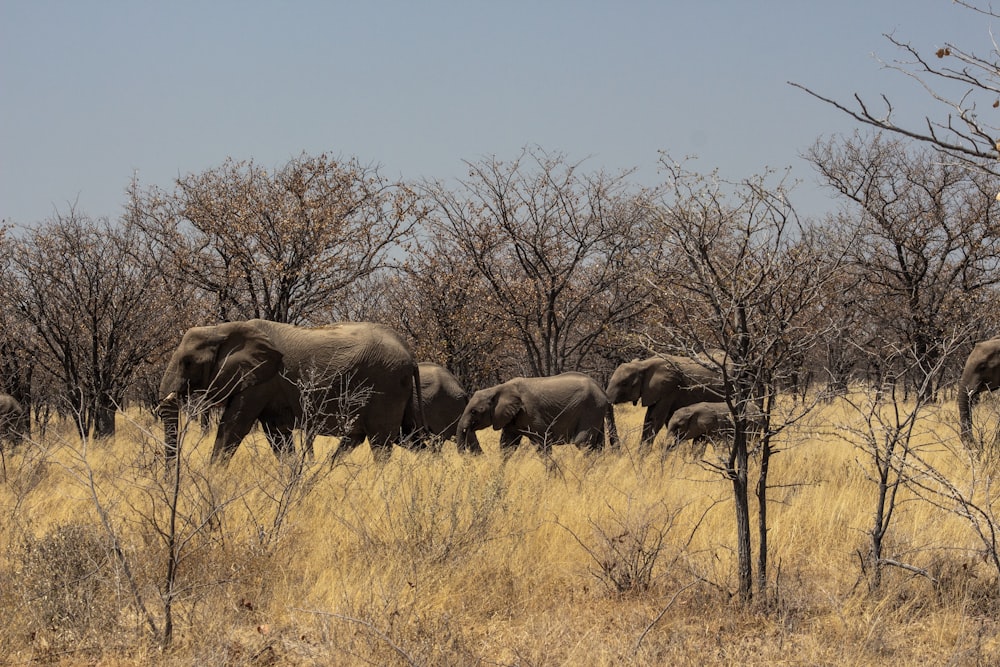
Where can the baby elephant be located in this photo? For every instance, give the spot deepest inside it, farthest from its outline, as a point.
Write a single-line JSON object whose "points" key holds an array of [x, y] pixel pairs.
{"points": [[443, 399], [568, 408], [703, 420]]}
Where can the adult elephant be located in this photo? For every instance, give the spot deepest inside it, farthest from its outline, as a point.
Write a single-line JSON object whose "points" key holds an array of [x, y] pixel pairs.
{"points": [[704, 420], [13, 421], [350, 379], [443, 399], [981, 373], [567, 408], [663, 384]]}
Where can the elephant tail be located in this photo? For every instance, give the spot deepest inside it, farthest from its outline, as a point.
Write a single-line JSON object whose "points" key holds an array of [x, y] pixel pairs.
{"points": [[419, 417], [414, 428]]}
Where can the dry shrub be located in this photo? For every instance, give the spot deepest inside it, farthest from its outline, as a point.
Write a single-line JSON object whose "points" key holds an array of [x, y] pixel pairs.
{"points": [[426, 508], [627, 548], [68, 592]]}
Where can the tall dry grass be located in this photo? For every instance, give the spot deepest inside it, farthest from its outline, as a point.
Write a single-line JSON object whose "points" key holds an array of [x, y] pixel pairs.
{"points": [[450, 559]]}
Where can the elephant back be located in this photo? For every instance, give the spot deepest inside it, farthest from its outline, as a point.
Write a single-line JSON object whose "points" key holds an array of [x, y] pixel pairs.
{"points": [[359, 348]]}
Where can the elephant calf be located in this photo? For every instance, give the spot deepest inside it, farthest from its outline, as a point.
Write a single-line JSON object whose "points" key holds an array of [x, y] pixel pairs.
{"points": [[568, 408], [704, 420], [443, 399], [663, 385]]}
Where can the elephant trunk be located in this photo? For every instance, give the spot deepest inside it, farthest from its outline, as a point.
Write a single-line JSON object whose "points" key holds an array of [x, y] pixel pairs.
{"points": [[616, 394], [466, 437], [173, 387], [472, 442], [169, 412], [966, 399]]}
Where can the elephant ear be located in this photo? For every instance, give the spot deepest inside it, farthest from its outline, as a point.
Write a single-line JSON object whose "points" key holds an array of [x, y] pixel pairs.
{"points": [[507, 406], [654, 381], [246, 358]]}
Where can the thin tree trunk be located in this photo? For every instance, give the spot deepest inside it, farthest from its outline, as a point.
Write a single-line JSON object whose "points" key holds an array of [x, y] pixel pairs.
{"points": [[104, 418], [743, 551], [765, 461]]}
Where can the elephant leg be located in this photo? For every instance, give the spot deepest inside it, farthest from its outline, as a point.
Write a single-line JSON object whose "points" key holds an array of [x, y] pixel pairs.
{"points": [[381, 446], [279, 438], [308, 438], [611, 428], [590, 439], [510, 438], [347, 444], [648, 433], [236, 422], [596, 439], [656, 418], [205, 418], [650, 427], [472, 443], [381, 453], [238, 417], [544, 443], [699, 446], [417, 440], [673, 441]]}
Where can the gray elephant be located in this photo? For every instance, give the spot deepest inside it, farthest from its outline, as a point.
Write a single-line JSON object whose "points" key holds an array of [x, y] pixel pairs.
{"points": [[350, 379], [569, 408], [700, 421], [981, 373], [13, 421], [444, 400], [663, 384]]}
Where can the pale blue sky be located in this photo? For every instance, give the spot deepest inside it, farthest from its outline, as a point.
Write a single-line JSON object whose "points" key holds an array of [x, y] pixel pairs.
{"points": [[92, 92]]}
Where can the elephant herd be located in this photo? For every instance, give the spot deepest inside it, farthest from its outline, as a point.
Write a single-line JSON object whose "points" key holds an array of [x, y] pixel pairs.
{"points": [[358, 381]]}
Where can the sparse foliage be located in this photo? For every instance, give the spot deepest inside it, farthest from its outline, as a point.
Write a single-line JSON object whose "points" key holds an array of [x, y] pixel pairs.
{"points": [[631, 546], [962, 82], [442, 303], [741, 286], [98, 310], [556, 249], [282, 245], [925, 256], [891, 433]]}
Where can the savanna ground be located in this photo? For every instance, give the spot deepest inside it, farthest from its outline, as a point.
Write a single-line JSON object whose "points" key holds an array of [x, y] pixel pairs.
{"points": [[450, 559]]}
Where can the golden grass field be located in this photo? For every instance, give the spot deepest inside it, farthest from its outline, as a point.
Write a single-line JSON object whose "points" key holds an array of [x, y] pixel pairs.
{"points": [[450, 559]]}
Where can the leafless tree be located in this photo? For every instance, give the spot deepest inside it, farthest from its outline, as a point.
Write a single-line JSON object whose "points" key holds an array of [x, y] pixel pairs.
{"points": [[891, 434], [97, 307], [555, 247], [745, 278], [281, 246], [928, 250], [18, 344], [836, 360], [960, 81], [442, 302]]}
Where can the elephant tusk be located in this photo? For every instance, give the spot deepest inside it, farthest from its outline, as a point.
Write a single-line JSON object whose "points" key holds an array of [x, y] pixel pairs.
{"points": [[170, 398]]}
